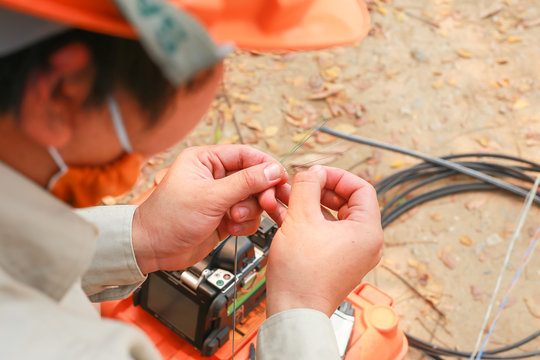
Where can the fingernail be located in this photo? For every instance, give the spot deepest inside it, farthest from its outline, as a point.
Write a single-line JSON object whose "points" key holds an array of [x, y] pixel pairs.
{"points": [[272, 172], [242, 213], [315, 168]]}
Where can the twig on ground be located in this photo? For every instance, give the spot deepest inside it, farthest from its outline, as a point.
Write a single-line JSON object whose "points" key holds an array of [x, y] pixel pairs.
{"points": [[416, 291]]}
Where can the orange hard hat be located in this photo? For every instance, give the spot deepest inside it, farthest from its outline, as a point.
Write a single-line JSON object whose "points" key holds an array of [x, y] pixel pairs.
{"points": [[262, 24]]}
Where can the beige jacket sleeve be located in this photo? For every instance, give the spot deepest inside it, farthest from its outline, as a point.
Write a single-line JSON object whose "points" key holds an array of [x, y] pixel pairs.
{"points": [[299, 334], [113, 273]]}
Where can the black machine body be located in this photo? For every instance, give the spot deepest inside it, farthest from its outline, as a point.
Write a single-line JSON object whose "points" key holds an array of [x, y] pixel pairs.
{"points": [[197, 303]]}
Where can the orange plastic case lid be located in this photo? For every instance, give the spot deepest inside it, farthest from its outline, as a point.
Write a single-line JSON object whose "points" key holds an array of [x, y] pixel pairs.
{"points": [[376, 333], [262, 24]]}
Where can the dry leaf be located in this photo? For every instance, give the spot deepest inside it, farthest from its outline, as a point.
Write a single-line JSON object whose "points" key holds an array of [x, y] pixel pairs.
{"points": [[253, 124], [273, 145], [464, 53], [315, 82], [533, 306], [465, 240], [475, 204], [323, 138], [331, 74], [514, 39], [436, 216], [375, 158], [271, 131], [255, 107], [482, 140], [327, 91], [298, 137], [520, 104], [413, 262], [449, 260], [477, 293], [346, 128], [437, 84]]}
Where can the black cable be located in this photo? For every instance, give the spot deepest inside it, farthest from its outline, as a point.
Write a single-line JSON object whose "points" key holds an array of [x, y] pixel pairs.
{"points": [[432, 170]]}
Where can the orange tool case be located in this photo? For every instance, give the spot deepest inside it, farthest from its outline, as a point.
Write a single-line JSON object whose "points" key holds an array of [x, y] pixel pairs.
{"points": [[376, 333]]}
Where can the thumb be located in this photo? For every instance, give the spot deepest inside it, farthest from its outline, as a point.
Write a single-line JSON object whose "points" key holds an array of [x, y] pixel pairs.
{"points": [[306, 191], [253, 180]]}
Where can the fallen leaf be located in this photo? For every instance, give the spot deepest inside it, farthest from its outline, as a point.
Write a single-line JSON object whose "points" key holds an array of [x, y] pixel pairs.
{"points": [[464, 53], [437, 84], [253, 124], [436, 216], [482, 140], [327, 91], [475, 204], [346, 128], [477, 293], [315, 82], [298, 137], [323, 138], [331, 74], [255, 107], [273, 145], [413, 262], [271, 131], [520, 104], [465, 240], [514, 39], [448, 259], [533, 306], [375, 158]]}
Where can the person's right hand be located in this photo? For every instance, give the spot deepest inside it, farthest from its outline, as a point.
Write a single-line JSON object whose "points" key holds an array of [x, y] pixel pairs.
{"points": [[315, 260]]}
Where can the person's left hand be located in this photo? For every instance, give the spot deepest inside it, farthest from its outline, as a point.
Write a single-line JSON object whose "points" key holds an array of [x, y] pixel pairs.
{"points": [[206, 195]]}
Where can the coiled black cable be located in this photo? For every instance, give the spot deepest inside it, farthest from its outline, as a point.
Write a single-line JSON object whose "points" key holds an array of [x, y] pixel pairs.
{"points": [[427, 174]]}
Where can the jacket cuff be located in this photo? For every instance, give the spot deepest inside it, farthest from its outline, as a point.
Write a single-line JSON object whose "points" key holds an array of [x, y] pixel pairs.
{"points": [[113, 273], [297, 334]]}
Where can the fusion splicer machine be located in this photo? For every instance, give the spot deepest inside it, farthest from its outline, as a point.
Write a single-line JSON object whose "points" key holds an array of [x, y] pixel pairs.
{"points": [[197, 303]]}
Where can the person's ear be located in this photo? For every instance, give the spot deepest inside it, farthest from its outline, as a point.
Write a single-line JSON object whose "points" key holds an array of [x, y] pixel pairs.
{"points": [[54, 94]]}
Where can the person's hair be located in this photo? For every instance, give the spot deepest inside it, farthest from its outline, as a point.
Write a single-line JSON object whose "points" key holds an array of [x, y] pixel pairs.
{"points": [[119, 63]]}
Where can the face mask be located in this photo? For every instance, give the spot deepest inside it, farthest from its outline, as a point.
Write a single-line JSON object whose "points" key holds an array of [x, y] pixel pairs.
{"points": [[84, 186]]}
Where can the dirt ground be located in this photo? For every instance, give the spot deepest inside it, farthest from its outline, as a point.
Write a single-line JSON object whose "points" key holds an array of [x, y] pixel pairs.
{"points": [[438, 76]]}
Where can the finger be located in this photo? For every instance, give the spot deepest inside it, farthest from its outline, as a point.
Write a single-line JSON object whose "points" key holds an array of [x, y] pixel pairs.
{"points": [[253, 180], [332, 200], [233, 158], [355, 191], [362, 204], [243, 229], [276, 207], [305, 198], [267, 199], [246, 210]]}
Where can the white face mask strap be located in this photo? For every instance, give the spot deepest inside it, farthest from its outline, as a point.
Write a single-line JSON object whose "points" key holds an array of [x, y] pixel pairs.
{"points": [[118, 123], [59, 162]]}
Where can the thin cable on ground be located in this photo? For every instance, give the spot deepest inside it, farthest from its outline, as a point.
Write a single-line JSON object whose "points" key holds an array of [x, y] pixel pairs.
{"points": [[521, 221], [434, 160], [524, 261]]}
